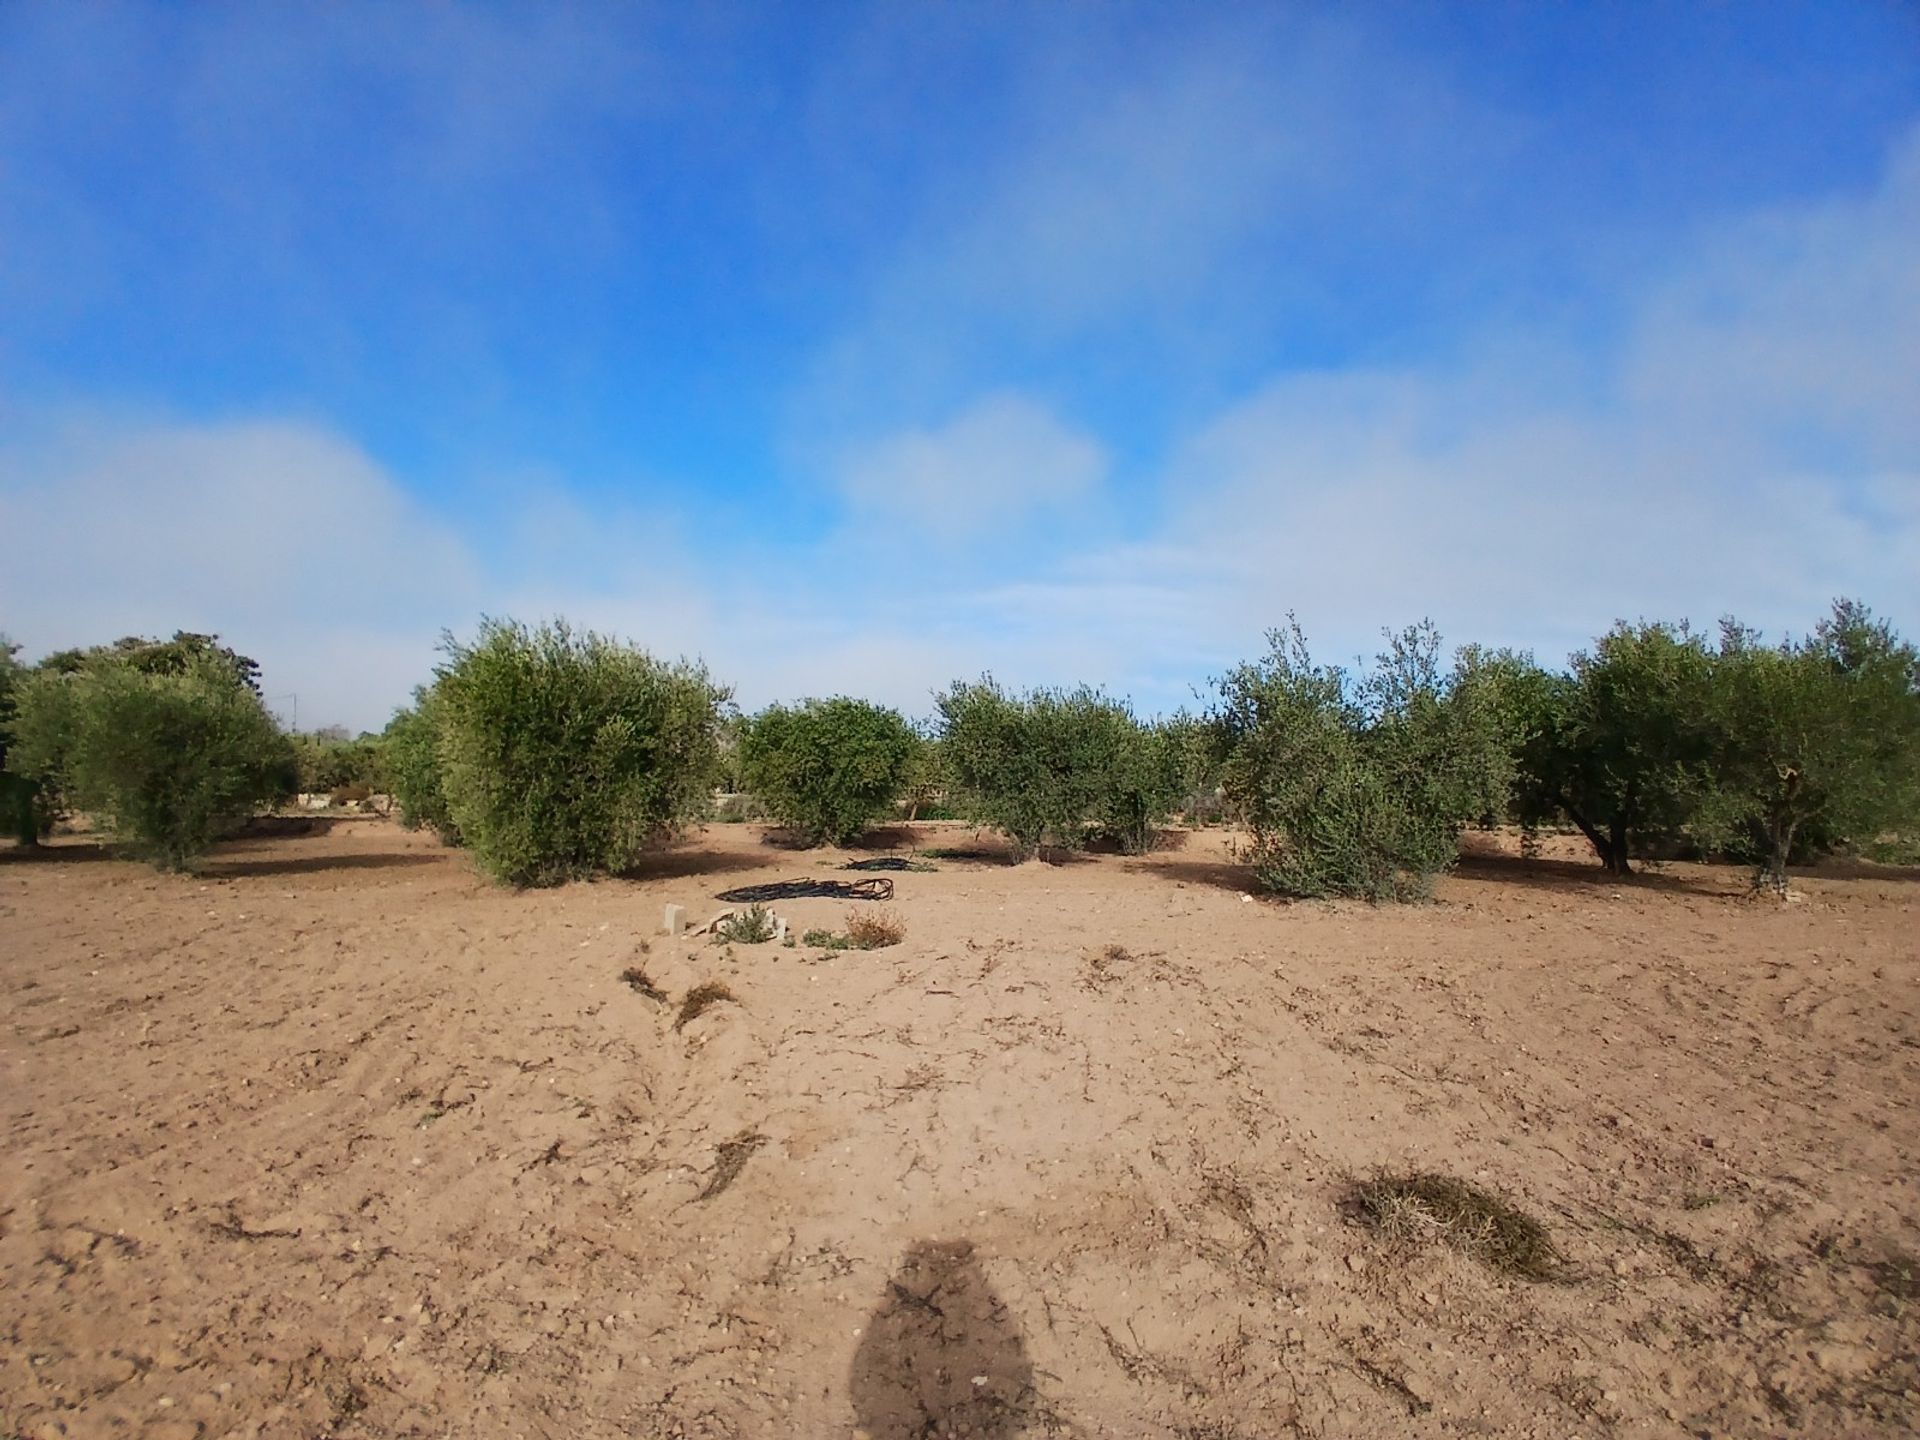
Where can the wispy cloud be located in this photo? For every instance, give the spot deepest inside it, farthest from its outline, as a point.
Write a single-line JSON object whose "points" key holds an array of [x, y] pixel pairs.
{"points": [[998, 462]]}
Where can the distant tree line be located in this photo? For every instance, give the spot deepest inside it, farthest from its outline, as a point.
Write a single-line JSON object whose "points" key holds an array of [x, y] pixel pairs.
{"points": [[553, 754]]}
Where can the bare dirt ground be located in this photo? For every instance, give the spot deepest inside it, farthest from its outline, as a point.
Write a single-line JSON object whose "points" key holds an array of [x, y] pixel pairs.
{"points": [[336, 1139]]}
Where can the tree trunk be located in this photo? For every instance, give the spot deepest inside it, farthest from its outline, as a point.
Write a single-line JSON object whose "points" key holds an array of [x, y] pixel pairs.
{"points": [[1774, 877], [1616, 854], [1611, 847]]}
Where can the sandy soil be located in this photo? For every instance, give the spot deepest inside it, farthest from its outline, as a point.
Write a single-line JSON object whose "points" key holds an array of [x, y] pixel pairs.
{"points": [[338, 1140]]}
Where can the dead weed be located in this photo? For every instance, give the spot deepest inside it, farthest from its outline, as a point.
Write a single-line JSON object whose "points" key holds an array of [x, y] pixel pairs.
{"points": [[1420, 1208], [729, 1160], [702, 998], [638, 981]]}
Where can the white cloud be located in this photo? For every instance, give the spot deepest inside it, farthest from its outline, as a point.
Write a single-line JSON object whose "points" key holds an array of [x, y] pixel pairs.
{"points": [[999, 461], [1750, 443], [283, 537]]}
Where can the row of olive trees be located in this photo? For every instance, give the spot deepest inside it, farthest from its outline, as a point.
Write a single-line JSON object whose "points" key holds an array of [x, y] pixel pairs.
{"points": [[1658, 738], [552, 754]]}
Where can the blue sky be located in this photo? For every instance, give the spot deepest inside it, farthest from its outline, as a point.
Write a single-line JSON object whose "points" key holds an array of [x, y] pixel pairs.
{"points": [[858, 348]]}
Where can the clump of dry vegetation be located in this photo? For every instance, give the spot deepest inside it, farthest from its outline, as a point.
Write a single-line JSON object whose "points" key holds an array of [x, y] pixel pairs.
{"points": [[1897, 1276], [1418, 1209], [697, 1001], [729, 1160], [638, 981], [866, 930], [1103, 968]]}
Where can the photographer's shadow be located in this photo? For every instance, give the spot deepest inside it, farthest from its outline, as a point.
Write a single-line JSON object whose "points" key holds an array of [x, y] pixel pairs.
{"points": [[941, 1351]]}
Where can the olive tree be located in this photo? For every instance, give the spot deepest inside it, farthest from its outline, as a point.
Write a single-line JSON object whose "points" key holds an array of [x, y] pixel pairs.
{"points": [[1039, 766], [1358, 784], [1820, 733], [565, 755], [826, 768], [162, 759], [1623, 745]]}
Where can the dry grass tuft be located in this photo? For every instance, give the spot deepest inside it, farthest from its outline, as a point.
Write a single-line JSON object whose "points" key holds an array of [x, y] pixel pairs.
{"points": [[866, 930], [702, 998], [874, 929], [729, 1160], [638, 981], [1421, 1208]]}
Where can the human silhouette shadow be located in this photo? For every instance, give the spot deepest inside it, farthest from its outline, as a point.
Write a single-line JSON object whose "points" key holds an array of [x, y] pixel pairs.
{"points": [[941, 1354]]}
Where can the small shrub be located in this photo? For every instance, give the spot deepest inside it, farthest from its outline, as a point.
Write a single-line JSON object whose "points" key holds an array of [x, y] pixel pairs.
{"points": [[826, 768], [162, 759], [1420, 1208], [751, 926], [874, 929], [566, 756]]}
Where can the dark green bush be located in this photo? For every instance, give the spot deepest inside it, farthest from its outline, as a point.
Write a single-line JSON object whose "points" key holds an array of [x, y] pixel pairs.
{"points": [[1358, 785], [825, 768], [415, 778], [1044, 765], [1815, 740], [1145, 779], [1622, 746], [162, 759], [566, 755], [25, 811]]}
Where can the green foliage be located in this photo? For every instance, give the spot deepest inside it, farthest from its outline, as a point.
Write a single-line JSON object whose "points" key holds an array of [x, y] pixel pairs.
{"points": [[923, 793], [185, 650], [1196, 757], [25, 812], [1358, 785], [163, 758], [1146, 780], [414, 775], [326, 760], [566, 755], [751, 926], [825, 768], [1623, 746], [1820, 734], [1043, 765]]}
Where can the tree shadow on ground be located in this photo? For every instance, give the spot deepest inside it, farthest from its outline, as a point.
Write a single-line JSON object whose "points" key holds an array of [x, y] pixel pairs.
{"points": [[1221, 874], [14, 854], [1839, 867], [239, 867], [878, 837], [941, 1354], [1542, 874], [887, 837], [274, 826], [682, 864]]}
